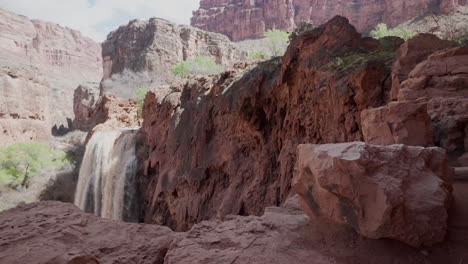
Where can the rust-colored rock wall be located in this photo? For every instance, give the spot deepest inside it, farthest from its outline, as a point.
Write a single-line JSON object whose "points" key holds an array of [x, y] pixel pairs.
{"points": [[241, 19], [226, 145]]}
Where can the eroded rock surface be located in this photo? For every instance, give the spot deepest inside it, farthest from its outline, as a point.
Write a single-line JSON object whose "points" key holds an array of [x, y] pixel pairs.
{"points": [[53, 232], [434, 76], [252, 18], [396, 191], [226, 144]]}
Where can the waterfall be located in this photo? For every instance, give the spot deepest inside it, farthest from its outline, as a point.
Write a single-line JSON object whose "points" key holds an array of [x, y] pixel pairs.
{"points": [[106, 185]]}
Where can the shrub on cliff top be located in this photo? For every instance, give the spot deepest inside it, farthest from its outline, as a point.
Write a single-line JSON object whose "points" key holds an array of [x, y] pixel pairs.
{"points": [[278, 41], [22, 161], [195, 66], [382, 30], [301, 29], [140, 94], [259, 55]]}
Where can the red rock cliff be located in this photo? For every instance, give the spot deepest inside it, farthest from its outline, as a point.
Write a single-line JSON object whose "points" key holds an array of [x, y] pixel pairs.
{"points": [[41, 64], [241, 19]]}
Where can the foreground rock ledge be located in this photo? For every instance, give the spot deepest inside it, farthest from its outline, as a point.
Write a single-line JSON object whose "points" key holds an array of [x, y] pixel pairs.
{"points": [[397, 191], [56, 233]]}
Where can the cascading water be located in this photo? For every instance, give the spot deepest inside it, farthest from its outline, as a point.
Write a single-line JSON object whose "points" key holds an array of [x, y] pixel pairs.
{"points": [[106, 184]]}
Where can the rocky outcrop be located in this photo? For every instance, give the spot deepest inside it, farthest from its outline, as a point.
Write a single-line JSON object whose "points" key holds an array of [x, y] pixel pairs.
{"points": [[239, 19], [150, 49], [41, 65], [112, 112], [53, 232], [396, 191], [405, 123], [226, 144], [84, 101], [439, 81]]}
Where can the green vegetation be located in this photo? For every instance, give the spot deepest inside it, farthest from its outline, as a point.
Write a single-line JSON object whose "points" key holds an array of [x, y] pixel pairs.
{"points": [[462, 40], [382, 30], [22, 161], [198, 65], [277, 41], [140, 94], [356, 59], [301, 29], [259, 55]]}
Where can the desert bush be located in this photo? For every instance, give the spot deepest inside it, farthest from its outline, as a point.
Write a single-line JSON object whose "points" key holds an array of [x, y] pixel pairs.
{"points": [[22, 161], [140, 94], [301, 29], [278, 41], [259, 55], [199, 65], [382, 30]]}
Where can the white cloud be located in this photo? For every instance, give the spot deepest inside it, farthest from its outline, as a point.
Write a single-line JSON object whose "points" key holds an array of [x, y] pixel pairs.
{"points": [[95, 18]]}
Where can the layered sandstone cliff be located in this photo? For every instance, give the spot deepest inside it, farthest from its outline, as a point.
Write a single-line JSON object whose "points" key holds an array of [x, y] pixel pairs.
{"points": [[41, 64], [240, 19], [142, 53]]}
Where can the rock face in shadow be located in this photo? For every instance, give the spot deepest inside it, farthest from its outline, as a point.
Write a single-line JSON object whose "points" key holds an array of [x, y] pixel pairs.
{"points": [[397, 191], [142, 53], [226, 144], [240, 19], [41, 64]]}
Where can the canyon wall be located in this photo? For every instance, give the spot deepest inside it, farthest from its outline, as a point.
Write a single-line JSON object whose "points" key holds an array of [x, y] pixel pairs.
{"points": [[41, 64], [242, 19], [226, 144], [142, 53]]}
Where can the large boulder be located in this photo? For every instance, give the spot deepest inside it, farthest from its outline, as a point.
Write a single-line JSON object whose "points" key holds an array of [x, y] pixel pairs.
{"points": [[397, 123], [397, 191]]}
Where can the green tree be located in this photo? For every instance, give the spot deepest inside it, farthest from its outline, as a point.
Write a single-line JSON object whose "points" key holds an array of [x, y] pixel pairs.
{"points": [[382, 30], [22, 161], [277, 41], [198, 65], [140, 94]]}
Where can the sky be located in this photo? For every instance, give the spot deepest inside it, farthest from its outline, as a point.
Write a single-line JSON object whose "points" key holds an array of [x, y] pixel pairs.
{"points": [[96, 18]]}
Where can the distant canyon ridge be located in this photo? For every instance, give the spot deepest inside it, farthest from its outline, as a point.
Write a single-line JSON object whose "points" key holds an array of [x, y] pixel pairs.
{"points": [[247, 19]]}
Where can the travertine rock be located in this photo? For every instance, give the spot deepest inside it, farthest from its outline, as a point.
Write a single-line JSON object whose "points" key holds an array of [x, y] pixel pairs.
{"points": [[112, 112], [226, 144], [241, 19], [396, 191], [53, 232], [41, 64]]}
